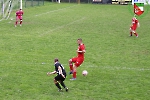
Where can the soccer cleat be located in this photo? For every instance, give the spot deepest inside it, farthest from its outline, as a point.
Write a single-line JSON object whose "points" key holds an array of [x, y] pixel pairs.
{"points": [[66, 89], [60, 90], [20, 25], [72, 79], [15, 26], [137, 36]]}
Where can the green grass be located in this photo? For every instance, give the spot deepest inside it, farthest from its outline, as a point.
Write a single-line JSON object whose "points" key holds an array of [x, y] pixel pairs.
{"points": [[118, 65]]}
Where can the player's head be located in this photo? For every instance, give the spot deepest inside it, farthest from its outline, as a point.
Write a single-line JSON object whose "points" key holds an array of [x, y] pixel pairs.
{"points": [[20, 9], [56, 60], [79, 40]]}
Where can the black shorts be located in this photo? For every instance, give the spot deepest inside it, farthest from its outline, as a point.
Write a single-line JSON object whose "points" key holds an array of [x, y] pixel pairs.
{"points": [[60, 78]]}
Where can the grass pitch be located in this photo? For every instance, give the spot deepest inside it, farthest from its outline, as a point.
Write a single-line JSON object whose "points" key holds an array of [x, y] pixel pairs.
{"points": [[118, 65]]}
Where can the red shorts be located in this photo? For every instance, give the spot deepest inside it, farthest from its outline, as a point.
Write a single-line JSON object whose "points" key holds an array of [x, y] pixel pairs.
{"points": [[18, 17], [133, 28], [78, 61]]}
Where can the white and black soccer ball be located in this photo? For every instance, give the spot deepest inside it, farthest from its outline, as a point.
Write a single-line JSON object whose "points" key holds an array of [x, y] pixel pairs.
{"points": [[84, 72]]}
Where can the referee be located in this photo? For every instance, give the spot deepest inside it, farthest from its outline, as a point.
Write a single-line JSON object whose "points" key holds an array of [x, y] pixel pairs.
{"points": [[61, 75]]}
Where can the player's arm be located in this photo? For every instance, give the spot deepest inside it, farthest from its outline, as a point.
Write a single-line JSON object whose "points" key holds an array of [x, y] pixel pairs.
{"points": [[82, 49], [60, 71], [49, 73]]}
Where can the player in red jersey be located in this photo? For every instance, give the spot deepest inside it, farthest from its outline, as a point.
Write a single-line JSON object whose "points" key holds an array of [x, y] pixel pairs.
{"points": [[77, 60], [135, 23], [19, 15]]}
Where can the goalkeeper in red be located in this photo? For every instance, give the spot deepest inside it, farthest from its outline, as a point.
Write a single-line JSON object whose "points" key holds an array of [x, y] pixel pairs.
{"points": [[19, 15], [135, 23], [77, 60]]}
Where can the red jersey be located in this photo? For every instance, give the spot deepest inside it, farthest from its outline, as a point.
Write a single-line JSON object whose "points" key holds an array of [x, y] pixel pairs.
{"points": [[134, 22], [81, 47], [19, 13]]}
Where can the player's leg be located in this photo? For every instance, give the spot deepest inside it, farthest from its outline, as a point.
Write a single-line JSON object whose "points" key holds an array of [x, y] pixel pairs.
{"points": [[71, 66], [130, 32], [133, 31], [74, 71], [136, 34], [56, 79], [63, 84], [77, 64], [71, 61], [20, 20], [61, 81]]}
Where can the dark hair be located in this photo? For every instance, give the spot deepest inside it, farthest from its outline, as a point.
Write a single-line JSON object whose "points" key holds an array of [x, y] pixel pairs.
{"points": [[80, 39], [56, 59]]}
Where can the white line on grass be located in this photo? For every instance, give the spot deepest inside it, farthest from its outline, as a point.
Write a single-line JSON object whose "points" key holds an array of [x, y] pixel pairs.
{"points": [[55, 10], [59, 27]]}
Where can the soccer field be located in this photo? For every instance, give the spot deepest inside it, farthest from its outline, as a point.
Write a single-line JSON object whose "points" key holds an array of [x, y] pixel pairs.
{"points": [[118, 65]]}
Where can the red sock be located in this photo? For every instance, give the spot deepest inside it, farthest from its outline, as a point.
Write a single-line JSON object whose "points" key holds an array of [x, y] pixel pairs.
{"points": [[74, 74], [71, 67], [130, 33], [20, 22], [136, 34]]}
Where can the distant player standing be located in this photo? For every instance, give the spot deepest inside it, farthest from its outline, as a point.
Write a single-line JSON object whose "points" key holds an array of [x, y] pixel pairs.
{"points": [[135, 23], [19, 15], [77, 60], [61, 75]]}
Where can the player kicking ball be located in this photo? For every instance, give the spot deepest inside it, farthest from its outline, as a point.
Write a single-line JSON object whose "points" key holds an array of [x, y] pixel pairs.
{"points": [[61, 75], [78, 60], [135, 23]]}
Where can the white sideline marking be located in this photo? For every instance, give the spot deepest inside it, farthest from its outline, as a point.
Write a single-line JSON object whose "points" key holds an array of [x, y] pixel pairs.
{"points": [[119, 68], [59, 27], [56, 10]]}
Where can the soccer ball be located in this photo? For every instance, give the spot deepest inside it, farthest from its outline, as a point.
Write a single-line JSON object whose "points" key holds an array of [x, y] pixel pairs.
{"points": [[84, 73]]}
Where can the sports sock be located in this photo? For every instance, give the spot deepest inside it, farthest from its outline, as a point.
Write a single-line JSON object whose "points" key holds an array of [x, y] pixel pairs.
{"points": [[130, 33], [58, 86], [20, 22], [71, 67], [136, 34], [74, 74], [62, 83]]}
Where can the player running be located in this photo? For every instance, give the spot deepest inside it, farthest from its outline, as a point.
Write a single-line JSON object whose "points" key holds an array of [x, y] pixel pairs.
{"points": [[61, 75], [77, 60], [19, 15], [135, 23]]}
